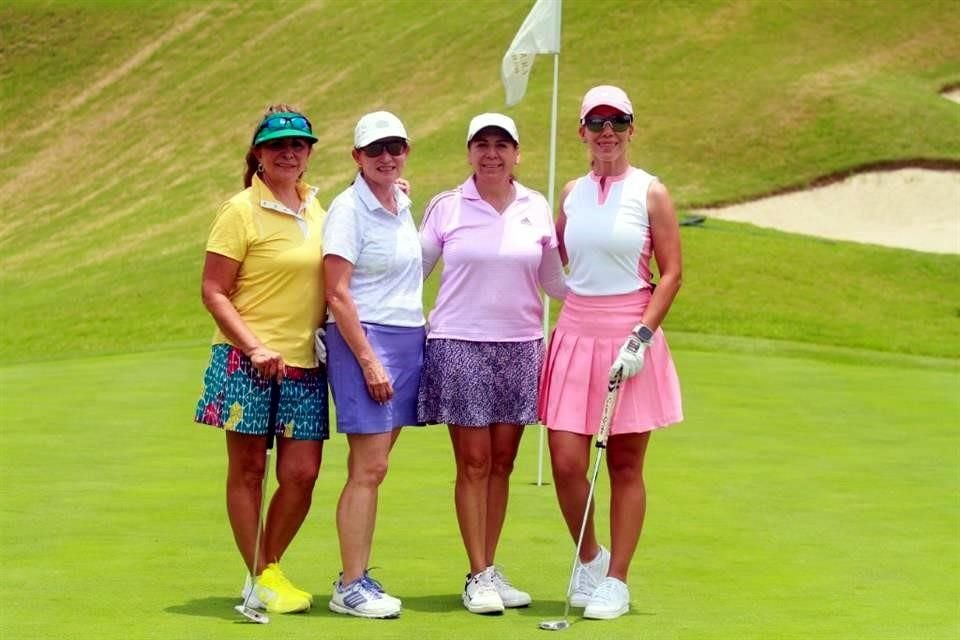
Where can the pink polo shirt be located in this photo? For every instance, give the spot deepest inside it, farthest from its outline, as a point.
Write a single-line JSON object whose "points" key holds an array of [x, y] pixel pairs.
{"points": [[489, 288]]}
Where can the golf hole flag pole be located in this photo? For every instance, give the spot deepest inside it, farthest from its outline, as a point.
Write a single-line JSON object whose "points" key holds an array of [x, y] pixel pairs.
{"points": [[539, 33]]}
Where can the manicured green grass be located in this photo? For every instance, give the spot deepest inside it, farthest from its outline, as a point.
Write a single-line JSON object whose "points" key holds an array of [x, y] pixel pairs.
{"points": [[802, 497]]}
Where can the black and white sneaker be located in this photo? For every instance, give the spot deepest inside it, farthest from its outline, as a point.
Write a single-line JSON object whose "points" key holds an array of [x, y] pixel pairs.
{"points": [[480, 595]]}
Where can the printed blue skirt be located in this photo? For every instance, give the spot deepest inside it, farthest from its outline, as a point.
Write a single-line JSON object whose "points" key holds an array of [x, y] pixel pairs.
{"points": [[235, 397]]}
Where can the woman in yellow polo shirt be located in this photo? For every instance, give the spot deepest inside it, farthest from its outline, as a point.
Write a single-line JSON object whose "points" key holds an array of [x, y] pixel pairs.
{"points": [[263, 285]]}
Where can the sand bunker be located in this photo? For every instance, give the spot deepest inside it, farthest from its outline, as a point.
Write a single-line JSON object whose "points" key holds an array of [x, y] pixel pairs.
{"points": [[908, 208]]}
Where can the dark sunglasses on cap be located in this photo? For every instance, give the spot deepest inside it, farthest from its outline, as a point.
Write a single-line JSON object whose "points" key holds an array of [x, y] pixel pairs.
{"points": [[618, 123], [393, 147]]}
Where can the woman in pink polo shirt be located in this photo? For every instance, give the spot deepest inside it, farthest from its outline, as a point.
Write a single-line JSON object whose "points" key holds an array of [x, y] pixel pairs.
{"points": [[611, 222], [485, 345]]}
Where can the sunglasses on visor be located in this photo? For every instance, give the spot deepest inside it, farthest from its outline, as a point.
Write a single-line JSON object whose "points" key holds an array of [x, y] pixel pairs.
{"points": [[277, 122], [619, 123], [393, 147]]}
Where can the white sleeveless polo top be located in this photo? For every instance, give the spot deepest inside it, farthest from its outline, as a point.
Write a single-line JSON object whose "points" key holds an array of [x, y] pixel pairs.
{"points": [[607, 235]]}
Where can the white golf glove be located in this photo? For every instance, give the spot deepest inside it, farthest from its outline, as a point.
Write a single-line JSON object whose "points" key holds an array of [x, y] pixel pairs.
{"points": [[319, 348], [629, 360]]}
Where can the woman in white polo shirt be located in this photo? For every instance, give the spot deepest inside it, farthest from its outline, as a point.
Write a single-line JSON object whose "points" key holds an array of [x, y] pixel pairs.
{"points": [[375, 334], [611, 222], [485, 346]]}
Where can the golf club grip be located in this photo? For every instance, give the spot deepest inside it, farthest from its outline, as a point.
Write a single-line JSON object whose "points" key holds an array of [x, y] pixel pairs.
{"points": [[609, 404], [272, 412]]}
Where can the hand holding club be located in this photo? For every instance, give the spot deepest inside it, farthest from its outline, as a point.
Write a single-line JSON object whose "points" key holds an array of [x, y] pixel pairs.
{"points": [[267, 362], [629, 360]]}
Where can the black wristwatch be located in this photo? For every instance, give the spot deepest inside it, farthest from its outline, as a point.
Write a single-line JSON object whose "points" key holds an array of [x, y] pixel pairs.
{"points": [[644, 333]]}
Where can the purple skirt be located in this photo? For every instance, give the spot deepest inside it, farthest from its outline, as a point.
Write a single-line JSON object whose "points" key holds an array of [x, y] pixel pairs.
{"points": [[400, 350], [476, 384]]}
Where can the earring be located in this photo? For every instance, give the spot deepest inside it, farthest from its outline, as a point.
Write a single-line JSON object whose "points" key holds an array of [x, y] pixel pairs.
{"points": [[259, 167]]}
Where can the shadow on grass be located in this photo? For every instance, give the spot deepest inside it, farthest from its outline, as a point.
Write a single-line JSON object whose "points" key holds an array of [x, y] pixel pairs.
{"points": [[209, 607], [539, 609], [222, 608], [443, 603], [553, 610]]}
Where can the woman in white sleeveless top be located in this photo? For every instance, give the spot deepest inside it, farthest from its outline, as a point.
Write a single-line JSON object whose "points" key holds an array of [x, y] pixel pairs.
{"points": [[611, 222]]}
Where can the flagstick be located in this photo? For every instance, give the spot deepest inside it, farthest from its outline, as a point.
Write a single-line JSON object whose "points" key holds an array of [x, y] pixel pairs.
{"points": [[539, 33], [551, 184]]}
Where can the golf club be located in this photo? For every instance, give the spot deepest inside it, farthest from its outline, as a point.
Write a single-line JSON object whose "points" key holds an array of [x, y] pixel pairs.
{"points": [[245, 609], [609, 403]]}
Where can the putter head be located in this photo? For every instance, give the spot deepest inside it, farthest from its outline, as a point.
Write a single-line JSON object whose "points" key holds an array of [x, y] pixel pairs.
{"points": [[554, 625], [252, 614]]}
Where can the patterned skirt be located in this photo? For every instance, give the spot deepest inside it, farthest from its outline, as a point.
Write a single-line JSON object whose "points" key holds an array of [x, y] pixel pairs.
{"points": [[476, 384], [236, 398]]}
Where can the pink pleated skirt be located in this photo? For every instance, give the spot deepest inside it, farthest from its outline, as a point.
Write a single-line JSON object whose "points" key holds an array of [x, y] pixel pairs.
{"points": [[583, 346]]}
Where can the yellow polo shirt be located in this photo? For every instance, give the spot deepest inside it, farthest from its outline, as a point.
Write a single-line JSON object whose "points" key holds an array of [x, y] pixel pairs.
{"points": [[279, 287]]}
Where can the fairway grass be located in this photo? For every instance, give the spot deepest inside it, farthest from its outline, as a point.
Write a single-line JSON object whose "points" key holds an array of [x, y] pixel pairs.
{"points": [[803, 497]]}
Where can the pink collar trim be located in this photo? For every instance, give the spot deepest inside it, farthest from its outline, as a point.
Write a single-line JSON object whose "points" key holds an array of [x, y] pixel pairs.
{"points": [[596, 177], [605, 183]]}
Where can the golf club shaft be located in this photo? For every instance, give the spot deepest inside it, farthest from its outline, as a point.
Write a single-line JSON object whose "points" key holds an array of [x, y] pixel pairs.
{"points": [[583, 528], [609, 403], [271, 427]]}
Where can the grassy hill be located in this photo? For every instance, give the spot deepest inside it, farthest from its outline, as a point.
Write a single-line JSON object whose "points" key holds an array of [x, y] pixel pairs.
{"points": [[124, 124]]}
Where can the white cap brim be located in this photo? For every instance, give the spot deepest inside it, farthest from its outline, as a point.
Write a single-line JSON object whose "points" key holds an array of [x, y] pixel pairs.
{"points": [[498, 120]]}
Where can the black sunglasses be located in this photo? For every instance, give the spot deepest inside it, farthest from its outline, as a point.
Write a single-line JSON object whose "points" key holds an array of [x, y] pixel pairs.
{"points": [[618, 123], [393, 147]]}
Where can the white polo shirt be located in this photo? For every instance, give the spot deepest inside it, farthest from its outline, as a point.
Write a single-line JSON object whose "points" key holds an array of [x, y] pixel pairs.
{"points": [[384, 248]]}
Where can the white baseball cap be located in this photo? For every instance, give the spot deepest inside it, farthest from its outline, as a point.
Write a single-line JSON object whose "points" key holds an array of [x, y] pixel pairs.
{"points": [[377, 126], [606, 95], [493, 120]]}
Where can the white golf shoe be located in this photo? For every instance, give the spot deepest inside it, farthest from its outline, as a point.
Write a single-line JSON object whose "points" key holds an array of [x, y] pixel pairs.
{"points": [[363, 598], [587, 577], [610, 600], [480, 595], [509, 594]]}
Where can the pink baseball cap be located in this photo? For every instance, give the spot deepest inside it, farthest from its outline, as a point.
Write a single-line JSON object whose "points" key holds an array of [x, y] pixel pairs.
{"points": [[605, 94]]}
